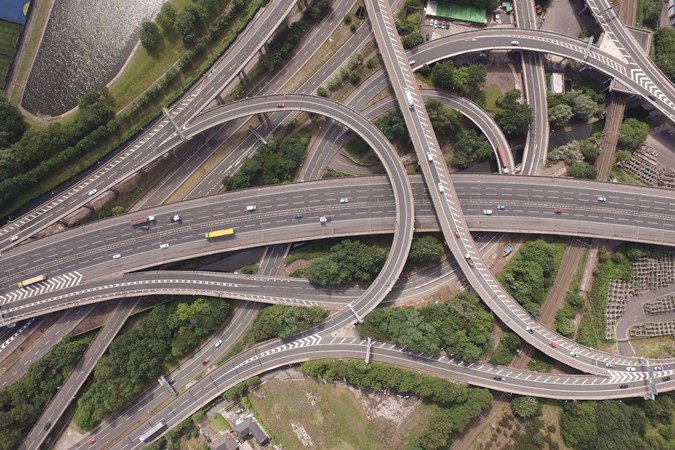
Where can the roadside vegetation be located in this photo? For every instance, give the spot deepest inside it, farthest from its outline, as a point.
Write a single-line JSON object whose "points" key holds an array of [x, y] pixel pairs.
{"points": [[633, 423], [22, 402], [458, 404], [580, 157], [664, 49], [65, 154], [577, 106], [506, 350], [461, 326], [272, 163], [139, 355], [277, 321], [531, 272], [9, 35], [513, 117]]}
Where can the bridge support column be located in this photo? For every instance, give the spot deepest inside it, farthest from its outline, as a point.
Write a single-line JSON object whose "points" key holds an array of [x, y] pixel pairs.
{"points": [[242, 76], [220, 100], [355, 314], [89, 207], [257, 135], [175, 125], [588, 48], [369, 345]]}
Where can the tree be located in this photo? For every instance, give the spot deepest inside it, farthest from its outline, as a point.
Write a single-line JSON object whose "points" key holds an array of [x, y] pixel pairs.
{"points": [[149, 36], [559, 115], [355, 78], [582, 170], [632, 133], [525, 407], [322, 92], [441, 75], [187, 23], [426, 250], [570, 153], [392, 125], [117, 210], [347, 19], [476, 74], [167, 17], [445, 122], [664, 46], [471, 148], [412, 40], [583, 106], [623, 155], [590, 151], [512, 117], [12, 125]]}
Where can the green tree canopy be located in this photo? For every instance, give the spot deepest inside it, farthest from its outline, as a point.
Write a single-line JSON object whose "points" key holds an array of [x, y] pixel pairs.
{"points": [[150, 36], [513, 118], [632, 133], [426, 250], [12, 125], [559, 115], [525, 406]]}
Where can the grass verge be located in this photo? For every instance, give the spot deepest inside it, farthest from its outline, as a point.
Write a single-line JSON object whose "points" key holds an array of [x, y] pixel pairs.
{"points": [[621, 176], [492, 92], [218, 423]]}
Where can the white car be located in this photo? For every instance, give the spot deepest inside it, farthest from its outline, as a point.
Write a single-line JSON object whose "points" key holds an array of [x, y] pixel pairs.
{"points": [[630, 369], [117, 256], [164, 245], [344, 200], [14, 238], [175, 219], [323, 219], [219, 343], [602, 199], [92, 192], [487, 212]]}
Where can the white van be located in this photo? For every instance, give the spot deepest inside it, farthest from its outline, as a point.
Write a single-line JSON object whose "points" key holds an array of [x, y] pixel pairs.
{"points": [[430, 157], [323, 219], [487, 212], [250, 208]]}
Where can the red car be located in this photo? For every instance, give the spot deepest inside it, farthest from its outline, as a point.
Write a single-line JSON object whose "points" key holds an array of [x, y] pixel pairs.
{"points": [[280, 105], [92, 441], [205, 362], [457, 235], [558, 211], [553, 344]]}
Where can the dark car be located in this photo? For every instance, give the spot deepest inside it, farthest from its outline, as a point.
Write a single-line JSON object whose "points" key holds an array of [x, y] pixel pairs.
{"points": [[145, 228], [297, 216], [47, 426], [206, 361], [498, 378], [666, 378], [623, 386]]}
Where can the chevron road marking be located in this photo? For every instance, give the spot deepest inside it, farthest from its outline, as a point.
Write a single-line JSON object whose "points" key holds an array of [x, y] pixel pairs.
{"points": [[58, 282]]}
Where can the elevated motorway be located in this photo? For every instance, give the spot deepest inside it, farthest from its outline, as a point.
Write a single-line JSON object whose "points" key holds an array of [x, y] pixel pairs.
{"points": [[153, 144], [254, 362], [631, 213]]}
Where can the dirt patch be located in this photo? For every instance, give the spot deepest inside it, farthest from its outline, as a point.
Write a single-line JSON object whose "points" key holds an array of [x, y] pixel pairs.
{"points": [[386, 405], [502, 72]]}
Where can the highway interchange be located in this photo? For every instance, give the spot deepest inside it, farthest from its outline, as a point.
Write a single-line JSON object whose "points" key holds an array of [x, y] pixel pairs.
{"points": [[590, 358]]}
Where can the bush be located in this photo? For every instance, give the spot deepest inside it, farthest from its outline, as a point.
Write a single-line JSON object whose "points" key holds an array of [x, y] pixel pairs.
{"points": [[149, 36], [347, 261], [525, 407]]}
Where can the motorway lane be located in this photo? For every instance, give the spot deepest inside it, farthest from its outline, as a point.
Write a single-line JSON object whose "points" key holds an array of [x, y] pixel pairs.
{"points": [[466, 107], [59, 403], [543, 42], [63, 325], [445, 200], [630, 212], [536, 145], [158, 138], [440, 48], [643, 68], [254, 362]]}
